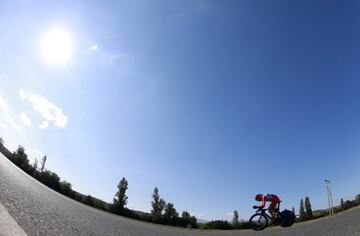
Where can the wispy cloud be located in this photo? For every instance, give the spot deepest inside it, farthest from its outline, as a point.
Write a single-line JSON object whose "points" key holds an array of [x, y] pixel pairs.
{"points": [[35, 153], [228, 214], [44, 125], [25, 119], [48, 110], [4, 125], [3, 105], [9, 120], [115, 57], [23, 94], [6, 119]]}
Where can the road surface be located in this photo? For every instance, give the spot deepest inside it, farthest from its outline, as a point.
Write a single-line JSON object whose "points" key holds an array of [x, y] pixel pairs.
{"points": [[29, 208]]}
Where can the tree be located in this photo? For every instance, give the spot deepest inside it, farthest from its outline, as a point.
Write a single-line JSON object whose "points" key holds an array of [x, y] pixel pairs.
{"points": [[185, 215], [308, 208], [50, 179], [357, 199], [348, 204], [235, 220], [158, 205], [43, 161], [293, 210], [218, 224], [342, 204], [35, 166], [302, 210], [185, 219], [170, 214], [66, 189], [193, 222], [20, 159], [120, 199], [88, 200]]}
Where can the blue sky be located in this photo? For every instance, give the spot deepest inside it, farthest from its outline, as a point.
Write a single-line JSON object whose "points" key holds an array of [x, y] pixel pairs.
{"points": [[212, 102]]}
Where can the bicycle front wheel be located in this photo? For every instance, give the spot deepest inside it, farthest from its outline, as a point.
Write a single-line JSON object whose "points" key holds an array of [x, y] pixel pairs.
{"points": [[258, 222]]}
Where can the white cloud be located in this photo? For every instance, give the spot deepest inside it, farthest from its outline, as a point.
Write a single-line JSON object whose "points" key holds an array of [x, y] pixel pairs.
{"points": [[44, 124], [229, 214], [114, 57], [9, 120], [35, 153], [6, 119], [3, 105], [94, 47], [10, 143], [25, 119], [4, 126], [48, 110], [23, 94], [200, 215]]}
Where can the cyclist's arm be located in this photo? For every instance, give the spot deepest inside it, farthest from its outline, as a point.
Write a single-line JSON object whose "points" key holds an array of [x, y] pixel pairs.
{"points": [[263, 202]]}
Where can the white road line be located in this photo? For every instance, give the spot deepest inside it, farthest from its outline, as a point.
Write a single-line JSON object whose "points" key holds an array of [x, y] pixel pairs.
{"points": [[8, 226]]}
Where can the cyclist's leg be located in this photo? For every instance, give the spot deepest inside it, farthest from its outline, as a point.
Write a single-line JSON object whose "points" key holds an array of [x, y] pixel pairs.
{"points": [[276, 201], [272, 208]]}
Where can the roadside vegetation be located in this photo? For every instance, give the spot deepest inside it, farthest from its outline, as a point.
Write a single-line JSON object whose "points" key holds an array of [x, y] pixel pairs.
{"points": [[162, 212], [305, 212]]}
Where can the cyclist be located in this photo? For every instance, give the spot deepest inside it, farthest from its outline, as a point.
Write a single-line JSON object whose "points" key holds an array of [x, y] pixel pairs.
{"points": [[268, 198]]}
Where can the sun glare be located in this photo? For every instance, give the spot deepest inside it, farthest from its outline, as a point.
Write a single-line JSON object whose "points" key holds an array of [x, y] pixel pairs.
{"points": [[56, 47]]}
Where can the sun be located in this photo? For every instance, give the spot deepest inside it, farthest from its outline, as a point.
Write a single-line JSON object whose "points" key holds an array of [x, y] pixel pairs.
{"points": [[56, 46]]}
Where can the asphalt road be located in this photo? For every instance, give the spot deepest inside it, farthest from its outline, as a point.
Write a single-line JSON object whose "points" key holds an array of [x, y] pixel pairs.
{"points": [[28, 207]]}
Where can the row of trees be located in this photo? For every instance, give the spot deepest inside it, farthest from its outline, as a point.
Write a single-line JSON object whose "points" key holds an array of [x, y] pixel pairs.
{"points": [[349, 203], [47, 177], [305, 211], [225, 225], [161, 213]]}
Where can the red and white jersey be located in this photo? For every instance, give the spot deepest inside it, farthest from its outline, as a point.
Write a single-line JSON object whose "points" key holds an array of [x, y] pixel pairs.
{"points": [[269, 198]]}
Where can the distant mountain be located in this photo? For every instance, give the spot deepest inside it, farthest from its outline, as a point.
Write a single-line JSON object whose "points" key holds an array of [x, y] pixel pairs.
{"points": [[201, 221]]}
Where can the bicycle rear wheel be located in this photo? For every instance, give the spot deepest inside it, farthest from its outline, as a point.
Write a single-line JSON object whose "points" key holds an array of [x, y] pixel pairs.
{"points": [[258, 222]]}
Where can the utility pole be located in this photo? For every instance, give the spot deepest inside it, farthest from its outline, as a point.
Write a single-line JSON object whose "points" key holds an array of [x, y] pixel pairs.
{"points": [[329, 196]]}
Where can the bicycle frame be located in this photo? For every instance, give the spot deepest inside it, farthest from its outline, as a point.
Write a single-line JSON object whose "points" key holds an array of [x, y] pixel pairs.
{"points": [[260, 220], [262, 211]]}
